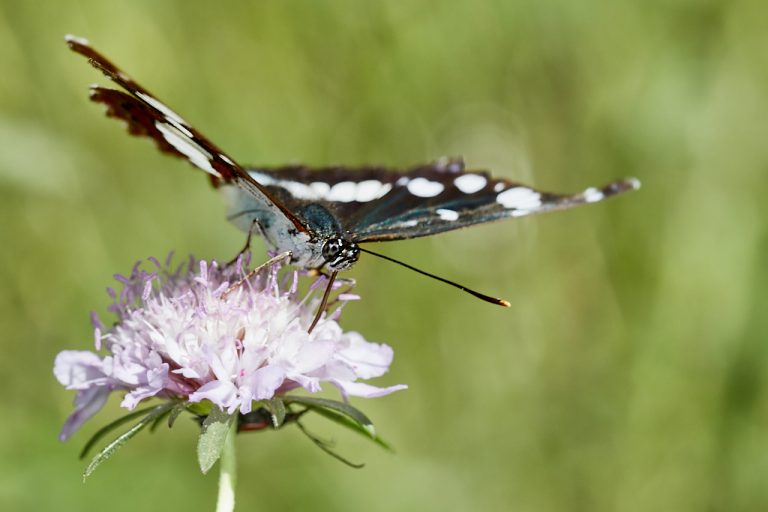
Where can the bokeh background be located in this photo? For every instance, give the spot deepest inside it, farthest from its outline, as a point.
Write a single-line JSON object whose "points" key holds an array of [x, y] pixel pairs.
{"points": [[630, 373]]}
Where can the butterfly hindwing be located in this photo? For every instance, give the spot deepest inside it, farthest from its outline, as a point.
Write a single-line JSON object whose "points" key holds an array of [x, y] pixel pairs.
{"points": [[378, 204], [470, 198]]}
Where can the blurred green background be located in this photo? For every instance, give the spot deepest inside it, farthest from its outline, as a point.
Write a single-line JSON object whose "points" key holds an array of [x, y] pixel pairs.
{"points": [[631, 372]]}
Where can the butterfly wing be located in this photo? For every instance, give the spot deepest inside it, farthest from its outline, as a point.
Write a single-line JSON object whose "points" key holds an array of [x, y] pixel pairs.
{"points": [[148, 116], [368, 204], [377, 204]]}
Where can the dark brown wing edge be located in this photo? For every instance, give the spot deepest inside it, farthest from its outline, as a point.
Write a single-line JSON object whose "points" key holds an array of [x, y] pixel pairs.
{"points": [[142, 121]]}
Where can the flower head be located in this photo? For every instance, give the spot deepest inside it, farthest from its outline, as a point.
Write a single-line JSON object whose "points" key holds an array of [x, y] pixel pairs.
{"points": [[207, 331]]}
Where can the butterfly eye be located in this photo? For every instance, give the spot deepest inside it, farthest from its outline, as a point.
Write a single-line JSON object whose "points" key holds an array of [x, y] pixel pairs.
{"points": [[340, 254], [332, 249]]}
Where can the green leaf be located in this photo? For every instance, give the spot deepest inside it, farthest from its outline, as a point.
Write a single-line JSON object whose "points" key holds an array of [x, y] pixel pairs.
{"points": [[276, 408], [345, 409], [123, 438], [110, 427], [353, 426], [325, 446], [212, 438]]}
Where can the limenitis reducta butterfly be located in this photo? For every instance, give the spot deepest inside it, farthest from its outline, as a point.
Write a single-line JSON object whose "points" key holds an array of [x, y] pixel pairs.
{"points": [[319, 217]]}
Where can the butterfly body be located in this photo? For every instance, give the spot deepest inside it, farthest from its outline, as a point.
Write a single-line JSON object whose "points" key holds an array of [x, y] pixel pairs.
{"points": [[329, 247], [322, 216]]}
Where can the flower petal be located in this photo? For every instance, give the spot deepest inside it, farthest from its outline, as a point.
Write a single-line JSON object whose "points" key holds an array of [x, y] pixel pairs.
{"points": [[156, 381], [265, 381], [312, 356], [365, 390], [87, 403], [79, 369], [221, 393], [368, 360]]}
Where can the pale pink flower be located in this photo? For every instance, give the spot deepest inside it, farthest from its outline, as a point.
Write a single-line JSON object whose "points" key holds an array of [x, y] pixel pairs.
{"points": [[194, 334]]}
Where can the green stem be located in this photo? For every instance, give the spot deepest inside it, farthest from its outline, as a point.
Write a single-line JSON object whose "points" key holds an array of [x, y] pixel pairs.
{"points": [[227, 472]]}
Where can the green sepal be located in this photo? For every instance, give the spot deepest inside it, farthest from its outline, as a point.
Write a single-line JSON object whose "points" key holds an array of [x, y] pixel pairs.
{"points": [[160, 419], [340, 407], [216, 427], [203, 408], [123, 438], [325, 446], [276, 408], [110, 427], [344, 421], [175, 412]]}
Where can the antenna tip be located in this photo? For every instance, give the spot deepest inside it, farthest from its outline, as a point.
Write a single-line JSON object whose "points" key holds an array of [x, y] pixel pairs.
{"points": [[73, 39], [504, 303]]}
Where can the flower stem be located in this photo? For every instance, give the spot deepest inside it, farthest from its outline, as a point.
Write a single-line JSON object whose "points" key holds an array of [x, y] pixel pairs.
{"points": [[227, 472]]}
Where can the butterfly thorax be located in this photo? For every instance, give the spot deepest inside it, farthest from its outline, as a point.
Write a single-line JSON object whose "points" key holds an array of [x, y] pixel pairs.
{"points": [[322, 246], [337, 251]]}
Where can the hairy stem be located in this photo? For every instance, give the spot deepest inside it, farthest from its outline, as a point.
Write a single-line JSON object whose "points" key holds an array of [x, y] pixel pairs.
{"points": [[227, 473]]}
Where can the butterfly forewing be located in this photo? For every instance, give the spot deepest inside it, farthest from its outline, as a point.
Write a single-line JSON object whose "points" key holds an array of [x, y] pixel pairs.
{"points": [[139, 118], [148, 116]]}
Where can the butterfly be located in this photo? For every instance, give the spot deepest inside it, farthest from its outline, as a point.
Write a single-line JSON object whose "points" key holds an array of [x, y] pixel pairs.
{"points": [[320, 217]]}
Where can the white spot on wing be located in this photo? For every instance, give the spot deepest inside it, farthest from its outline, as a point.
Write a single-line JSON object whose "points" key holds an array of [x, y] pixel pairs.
{"points": [[167, 112], [187, 147], [369, 190], [320, 188], [402, 181], [499, 186], [520, 198], [183, 129], [422, 187], [592, 195], [344, 192], [262, 178], [449, 215], [409, 223], [470, 183], [297, 189]]}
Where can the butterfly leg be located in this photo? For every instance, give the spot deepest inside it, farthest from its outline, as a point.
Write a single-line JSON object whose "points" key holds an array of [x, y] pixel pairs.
{"points": [[268, 263], [247, 247], [348, 284], [345, 281], [324, 302]]}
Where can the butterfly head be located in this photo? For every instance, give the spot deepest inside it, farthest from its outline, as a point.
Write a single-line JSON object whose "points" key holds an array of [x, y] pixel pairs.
{"points": [[340, 254]]}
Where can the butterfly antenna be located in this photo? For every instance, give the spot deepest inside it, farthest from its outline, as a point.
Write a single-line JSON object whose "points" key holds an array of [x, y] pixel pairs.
{"points": [[481, 296], [324, 302]]}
